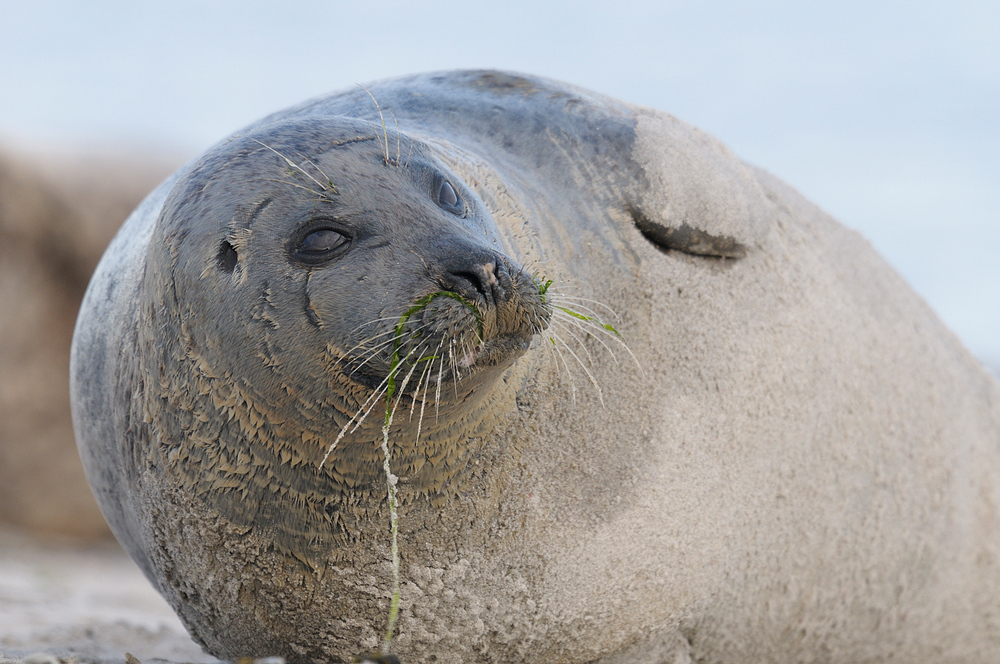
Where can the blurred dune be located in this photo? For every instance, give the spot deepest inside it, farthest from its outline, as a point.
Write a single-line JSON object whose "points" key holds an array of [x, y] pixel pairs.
{"points": [[58, 211]]}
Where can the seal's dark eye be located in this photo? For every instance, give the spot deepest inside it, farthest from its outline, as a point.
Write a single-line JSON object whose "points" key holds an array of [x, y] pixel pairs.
{"points": [[448, 198], [320, 245]]}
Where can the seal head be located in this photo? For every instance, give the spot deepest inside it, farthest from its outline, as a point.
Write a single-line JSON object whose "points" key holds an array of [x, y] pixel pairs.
{"points": [[351, 268]]}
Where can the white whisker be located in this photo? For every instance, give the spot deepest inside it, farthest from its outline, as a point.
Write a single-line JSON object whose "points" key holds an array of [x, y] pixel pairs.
{"points": [[371, 353], [562, 296], [423, 402], [600, 393], [569, 376], [568, 331], [592, 326], [562, 324], [454, 370], [373, 399], [291, 163], [424, 373], [437, 388]]}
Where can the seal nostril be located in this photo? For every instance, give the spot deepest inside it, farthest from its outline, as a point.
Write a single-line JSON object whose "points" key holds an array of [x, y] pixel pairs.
{"points": [[483, 277], [470, 284], [501, 272]]}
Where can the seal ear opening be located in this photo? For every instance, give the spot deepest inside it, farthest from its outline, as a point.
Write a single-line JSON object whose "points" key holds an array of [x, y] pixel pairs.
{"points": [[686, 238], [227, 257]]}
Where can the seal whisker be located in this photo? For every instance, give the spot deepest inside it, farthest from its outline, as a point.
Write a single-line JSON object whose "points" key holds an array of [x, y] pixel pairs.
{"points": [[293, 165], [389, 380], [425, 376], [365, 352], [402, 387], [423, 401], [363, 344], [569, 375], [343, 430], [565, 293], [468, 356], [319, 196], [415, 395], [367, 407], [600, 392], [600, 329], [384, 144], [564, 321], [397, 135], [416, 391], [411, 331], [363, 411], [370, 404], [373, 321], [371, 353], [595, 325], [565, 328], [454, 369], [437, 388], [409, 151], [329, 180], [557, 297]]}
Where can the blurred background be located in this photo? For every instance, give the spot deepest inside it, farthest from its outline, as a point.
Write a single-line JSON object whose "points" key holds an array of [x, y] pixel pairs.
{"points": [[886, 114]]}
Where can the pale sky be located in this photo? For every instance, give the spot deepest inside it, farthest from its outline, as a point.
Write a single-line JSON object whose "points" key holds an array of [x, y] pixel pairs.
{"points": [[886, 114]]}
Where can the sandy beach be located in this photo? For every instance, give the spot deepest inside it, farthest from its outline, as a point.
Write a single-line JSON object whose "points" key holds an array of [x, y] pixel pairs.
{"points": [[67, 601]]}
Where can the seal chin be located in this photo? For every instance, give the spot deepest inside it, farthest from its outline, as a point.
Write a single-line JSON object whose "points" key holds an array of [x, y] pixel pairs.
{"points": [[496, 352]]}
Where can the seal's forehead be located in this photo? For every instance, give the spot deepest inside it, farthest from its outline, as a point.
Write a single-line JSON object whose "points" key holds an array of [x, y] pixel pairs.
{"points": [[262, 163], [295, 149]]}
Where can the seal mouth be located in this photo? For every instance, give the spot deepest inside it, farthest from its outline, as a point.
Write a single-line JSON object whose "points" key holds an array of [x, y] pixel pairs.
{"points": [[452, 366], [444, 337]]}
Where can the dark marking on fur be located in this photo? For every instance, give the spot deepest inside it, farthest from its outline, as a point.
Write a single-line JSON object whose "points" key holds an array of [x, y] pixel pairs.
{"points": [[311, 314], [686, 238], [257, 210], [227, 257]]}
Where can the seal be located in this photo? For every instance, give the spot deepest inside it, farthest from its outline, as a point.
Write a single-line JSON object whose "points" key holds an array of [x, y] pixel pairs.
{"points": [[590, 387]]}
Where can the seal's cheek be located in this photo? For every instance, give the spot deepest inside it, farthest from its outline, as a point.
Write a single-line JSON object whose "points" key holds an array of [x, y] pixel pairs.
{"points": [[348, 299]]}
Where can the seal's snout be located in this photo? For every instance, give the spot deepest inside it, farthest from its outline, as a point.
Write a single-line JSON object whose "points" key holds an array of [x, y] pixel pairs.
{"points": [[481, 277], [486, 313], [508, 300]]}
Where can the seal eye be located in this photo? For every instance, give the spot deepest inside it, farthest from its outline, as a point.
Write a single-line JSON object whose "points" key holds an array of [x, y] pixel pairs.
{"points": [[448, 198], [320, 245]]}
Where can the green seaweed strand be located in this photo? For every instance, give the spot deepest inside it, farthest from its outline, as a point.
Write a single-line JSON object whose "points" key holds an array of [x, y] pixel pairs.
{"points": [[391, 480], [589, 319], [393, 523], [417, 306]]}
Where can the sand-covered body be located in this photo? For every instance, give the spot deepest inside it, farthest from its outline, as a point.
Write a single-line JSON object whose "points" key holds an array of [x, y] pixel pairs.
{"points": [[799, 463]]}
